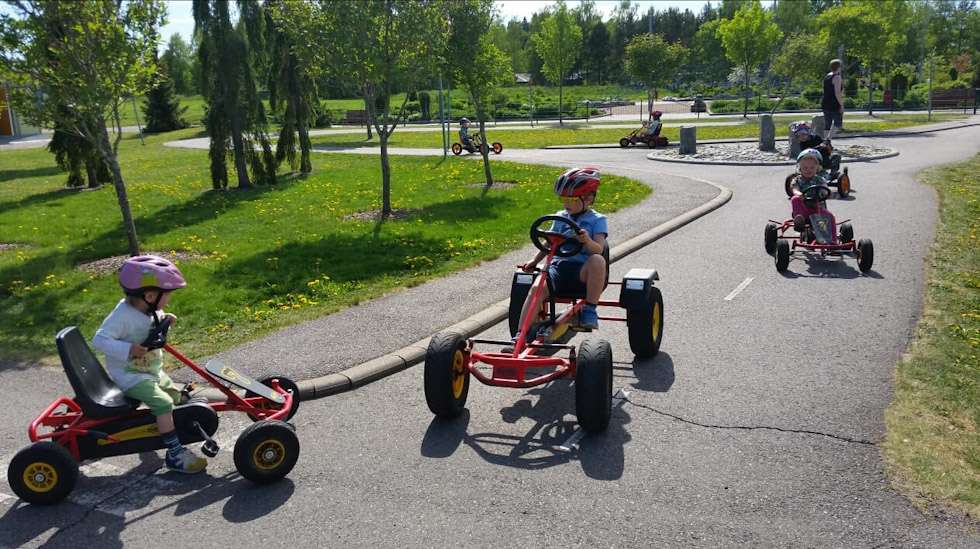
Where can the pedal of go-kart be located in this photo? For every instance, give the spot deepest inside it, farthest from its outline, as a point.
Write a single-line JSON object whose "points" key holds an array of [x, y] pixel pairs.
{"points": [[239, 379]]}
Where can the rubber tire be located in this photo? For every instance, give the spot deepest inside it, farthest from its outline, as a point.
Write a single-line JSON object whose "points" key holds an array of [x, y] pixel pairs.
{"points": [[438, 376], [771, 237], [517, 299], [624, 143], [846, 233], [866, 254], [256, 434], [640, 325], [782, 255], [457, 149], [286, 384], [497, 148], [593, 385], [788, 185], [844, 185], [652, 144], [54, 455]]}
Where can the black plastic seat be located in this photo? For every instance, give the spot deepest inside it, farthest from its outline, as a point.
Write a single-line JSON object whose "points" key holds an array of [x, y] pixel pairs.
{"points": [[95, 392]]}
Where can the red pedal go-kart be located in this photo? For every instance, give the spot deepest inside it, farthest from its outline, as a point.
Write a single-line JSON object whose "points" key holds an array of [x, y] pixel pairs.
{"points": [[477, 144], [101, 422], [450, 358], [651, 141], [816, 237]]}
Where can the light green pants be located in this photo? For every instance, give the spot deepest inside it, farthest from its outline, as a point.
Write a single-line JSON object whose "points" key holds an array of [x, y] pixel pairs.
{"points": [[160, 397]]}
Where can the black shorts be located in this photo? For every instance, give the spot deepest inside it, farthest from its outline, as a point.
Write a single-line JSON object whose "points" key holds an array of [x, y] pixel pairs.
{"points": [[833, 119], [565, 279]]}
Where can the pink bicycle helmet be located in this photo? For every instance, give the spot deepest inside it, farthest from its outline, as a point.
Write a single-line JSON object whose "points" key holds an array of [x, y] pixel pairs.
{"points": [[149, 272], [578, 182]]}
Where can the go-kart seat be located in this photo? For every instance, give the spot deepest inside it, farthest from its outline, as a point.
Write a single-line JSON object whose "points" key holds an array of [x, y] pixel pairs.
{"points": [[581, 295], [95, 392]]}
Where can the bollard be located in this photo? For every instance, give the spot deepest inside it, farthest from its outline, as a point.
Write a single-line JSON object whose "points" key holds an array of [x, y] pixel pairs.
{"points": [[767, 133], [818, 125], [689, 140]]}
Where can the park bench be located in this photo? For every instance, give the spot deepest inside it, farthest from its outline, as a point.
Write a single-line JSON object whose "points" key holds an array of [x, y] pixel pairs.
{"points": [[356, 117], [954, 98]]}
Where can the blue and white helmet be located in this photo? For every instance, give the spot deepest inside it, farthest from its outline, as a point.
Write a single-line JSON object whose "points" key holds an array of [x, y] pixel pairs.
{"points": [[810, 153]]}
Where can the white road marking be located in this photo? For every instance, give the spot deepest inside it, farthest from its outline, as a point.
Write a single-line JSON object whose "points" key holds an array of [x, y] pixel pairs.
{"points": [[571, 444], [739, 288]]}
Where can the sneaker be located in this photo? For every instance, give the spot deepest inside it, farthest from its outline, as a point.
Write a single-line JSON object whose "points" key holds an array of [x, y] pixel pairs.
{"points": [[799, 223], [509, 349], [186, 461], [588, 318]]}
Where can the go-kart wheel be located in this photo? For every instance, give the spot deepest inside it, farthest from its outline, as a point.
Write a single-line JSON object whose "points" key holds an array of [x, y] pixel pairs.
{"points": [[788, 186], [866, 254], [844, 185], [457, 149], [772, 236], [782, 255], [518, 294], [43, 473], [646, 325], [266, 451], [284, 382], [593, 385], [446, 376], [497, 148], [542, 239], [846, 232], [624, 143], [652, 143]]}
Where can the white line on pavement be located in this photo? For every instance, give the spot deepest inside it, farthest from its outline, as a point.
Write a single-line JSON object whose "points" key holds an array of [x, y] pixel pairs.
{"points": [[739, 288]]}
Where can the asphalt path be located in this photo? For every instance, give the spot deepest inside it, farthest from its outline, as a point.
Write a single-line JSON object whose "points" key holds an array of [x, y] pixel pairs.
{"points": [[757, 424]]}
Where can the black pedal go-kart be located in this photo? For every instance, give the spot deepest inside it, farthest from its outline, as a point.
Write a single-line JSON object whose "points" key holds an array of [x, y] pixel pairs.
{"points": [[100, 421], [477, 145], [541, 352], [830, 169], [651, 141]]}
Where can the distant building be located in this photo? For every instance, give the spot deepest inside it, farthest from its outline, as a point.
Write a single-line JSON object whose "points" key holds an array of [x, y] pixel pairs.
{"points": [[10, 124], [522, 77]]}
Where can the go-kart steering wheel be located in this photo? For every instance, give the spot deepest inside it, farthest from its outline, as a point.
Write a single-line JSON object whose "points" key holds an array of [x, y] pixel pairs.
{"points": [[817, 192], [567, 246], [158, 334]]}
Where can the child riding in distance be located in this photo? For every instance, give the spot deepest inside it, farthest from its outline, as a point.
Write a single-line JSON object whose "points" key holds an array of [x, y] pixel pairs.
{"points": [[808, 162], [147, 281], [584, 273], [464, 134]]}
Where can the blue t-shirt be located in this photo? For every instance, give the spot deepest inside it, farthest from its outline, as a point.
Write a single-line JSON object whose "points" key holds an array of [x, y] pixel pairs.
{"points": [[591, 221]]}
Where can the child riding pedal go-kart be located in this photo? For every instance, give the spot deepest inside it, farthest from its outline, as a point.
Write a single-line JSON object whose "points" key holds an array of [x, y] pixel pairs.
{"points": [[473, 142], [648, 134], [829, 159], [147, 412], [539, 351]]}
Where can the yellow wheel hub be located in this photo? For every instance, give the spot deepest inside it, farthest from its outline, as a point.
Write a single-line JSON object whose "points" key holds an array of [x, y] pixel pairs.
{"points": [[269, 454], [459, 373], [656, 320], [40, 477]]}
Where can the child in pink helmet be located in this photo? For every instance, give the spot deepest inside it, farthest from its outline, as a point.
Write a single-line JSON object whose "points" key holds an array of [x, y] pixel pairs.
{"points": [[147, 281]]}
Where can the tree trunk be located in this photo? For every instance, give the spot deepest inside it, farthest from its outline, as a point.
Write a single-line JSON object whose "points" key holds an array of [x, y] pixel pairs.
{"points": [[870, 91], [92, 173], [305, 165], [485, 152], [560, 121], [238, 144], [745, 108], [385, 176], [109, 157], [368, 109]]}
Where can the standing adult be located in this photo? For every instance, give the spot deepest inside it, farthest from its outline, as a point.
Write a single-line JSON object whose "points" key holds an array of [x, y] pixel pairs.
{"points": [[832, 102]]}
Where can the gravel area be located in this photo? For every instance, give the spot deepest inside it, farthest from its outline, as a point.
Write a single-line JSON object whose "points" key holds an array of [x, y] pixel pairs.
{"points": [[750, 153], [108, 265]]}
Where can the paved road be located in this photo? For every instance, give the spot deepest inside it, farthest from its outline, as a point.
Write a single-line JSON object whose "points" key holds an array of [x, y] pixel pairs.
{"points": [[745, 430]]}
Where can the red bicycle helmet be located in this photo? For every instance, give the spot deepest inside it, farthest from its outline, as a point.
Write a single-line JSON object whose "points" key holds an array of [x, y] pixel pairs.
{"points": [[578, 182], [656, 114]]}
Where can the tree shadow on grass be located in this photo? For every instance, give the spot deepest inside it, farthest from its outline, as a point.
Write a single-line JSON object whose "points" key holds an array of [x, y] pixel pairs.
{"points": [[10, 175]]}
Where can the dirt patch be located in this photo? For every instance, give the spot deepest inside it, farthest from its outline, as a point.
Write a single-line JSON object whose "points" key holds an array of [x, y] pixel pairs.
{"points": [[497, 185], [4, 246], [111, 264], [373, 215]]}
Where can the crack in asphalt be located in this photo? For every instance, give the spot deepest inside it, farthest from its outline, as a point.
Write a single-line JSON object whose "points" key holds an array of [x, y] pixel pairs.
{"points": [[96, 505], [750, 427]]}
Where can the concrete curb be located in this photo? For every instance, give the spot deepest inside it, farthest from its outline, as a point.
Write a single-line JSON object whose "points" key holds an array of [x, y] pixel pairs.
{"points": [[651, 156], [396, 361]]}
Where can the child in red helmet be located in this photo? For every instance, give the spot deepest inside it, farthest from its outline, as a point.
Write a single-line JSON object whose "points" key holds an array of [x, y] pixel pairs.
{"points": [[147, 281], [585, 272]]}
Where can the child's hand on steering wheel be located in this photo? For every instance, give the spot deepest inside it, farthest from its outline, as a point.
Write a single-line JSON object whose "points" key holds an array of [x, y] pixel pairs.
{"points": [[172, 318], [582, 236], [136, 350], [528, 267]]}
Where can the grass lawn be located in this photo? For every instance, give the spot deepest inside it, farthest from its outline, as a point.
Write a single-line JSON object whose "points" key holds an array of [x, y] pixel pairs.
{"points": [[267, 257], [537, 138], [932, 449]]}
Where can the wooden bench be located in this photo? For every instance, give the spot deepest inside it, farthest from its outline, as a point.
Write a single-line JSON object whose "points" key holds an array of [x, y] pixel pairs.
{"points": [[954, 98], [356, 117]]}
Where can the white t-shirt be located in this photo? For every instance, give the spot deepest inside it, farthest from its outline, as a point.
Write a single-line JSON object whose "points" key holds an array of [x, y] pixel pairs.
{"points": [[124, 326]]}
